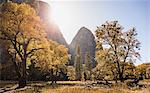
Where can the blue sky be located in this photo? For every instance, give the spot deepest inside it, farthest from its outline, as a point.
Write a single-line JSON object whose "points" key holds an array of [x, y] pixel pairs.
{"points": [[71, 15]]}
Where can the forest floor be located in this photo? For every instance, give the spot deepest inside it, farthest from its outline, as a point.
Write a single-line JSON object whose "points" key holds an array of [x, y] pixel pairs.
{"points": [[73, 87]]}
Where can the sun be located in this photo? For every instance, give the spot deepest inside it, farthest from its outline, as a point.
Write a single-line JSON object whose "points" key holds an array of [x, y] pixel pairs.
{"points": [[60, 14], [66, 14]]}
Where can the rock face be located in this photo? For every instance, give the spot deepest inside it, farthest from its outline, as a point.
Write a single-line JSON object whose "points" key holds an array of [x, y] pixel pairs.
{"points": [[52, 30], [86, 41]]}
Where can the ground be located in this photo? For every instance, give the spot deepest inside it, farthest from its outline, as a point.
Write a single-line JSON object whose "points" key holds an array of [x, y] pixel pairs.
{"points": [[73, 87]]}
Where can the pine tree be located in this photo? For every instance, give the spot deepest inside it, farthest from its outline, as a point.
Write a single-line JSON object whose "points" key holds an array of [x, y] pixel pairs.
{"points": [[78, 65], [88, 65]]}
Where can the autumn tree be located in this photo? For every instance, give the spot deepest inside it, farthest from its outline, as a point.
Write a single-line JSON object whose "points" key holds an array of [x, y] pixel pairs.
{"points": [[52, 59], [123, 46], [20, 25], [78, 64]]}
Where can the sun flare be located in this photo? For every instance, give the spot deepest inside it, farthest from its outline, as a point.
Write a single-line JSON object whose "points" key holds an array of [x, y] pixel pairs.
{"points": [[59, 12]]}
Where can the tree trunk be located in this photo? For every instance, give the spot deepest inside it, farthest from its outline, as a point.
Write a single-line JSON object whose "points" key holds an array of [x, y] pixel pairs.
{"points": [[120, 78], [22, 82], [119, 72], [22, 79], [52, 76], [16, 66]]}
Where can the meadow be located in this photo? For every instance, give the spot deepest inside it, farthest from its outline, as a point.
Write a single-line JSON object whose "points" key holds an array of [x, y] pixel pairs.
{"points": [[74, 87]]}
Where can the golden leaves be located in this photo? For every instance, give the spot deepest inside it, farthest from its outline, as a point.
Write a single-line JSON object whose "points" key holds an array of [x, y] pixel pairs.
{"points": [[21, 26], [53, 56]]}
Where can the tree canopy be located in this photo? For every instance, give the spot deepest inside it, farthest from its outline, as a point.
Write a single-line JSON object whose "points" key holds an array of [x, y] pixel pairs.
{"points": [[122, 46]]}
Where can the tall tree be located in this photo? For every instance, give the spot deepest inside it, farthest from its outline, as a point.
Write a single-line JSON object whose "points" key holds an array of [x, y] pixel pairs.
{"points": [[78, 64], [88, 65], [123, 46], [20, 25]]}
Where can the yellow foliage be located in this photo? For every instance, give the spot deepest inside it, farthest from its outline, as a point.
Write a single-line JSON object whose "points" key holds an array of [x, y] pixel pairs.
{"points": [[20, 25], [54, 56]]}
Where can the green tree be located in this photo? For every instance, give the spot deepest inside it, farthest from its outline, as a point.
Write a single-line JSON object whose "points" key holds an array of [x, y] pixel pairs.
{"points": [[123, 46], [88, 65], [22, 28], [78, 64]]}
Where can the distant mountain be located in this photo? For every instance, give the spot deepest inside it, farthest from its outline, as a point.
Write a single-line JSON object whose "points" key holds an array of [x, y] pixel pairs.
{"points": [[86, 41], [52, 30]]}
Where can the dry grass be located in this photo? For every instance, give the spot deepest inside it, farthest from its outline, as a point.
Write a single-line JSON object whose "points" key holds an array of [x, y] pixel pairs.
{"points": [[145, 81], [79, 87], [83, 89]]}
